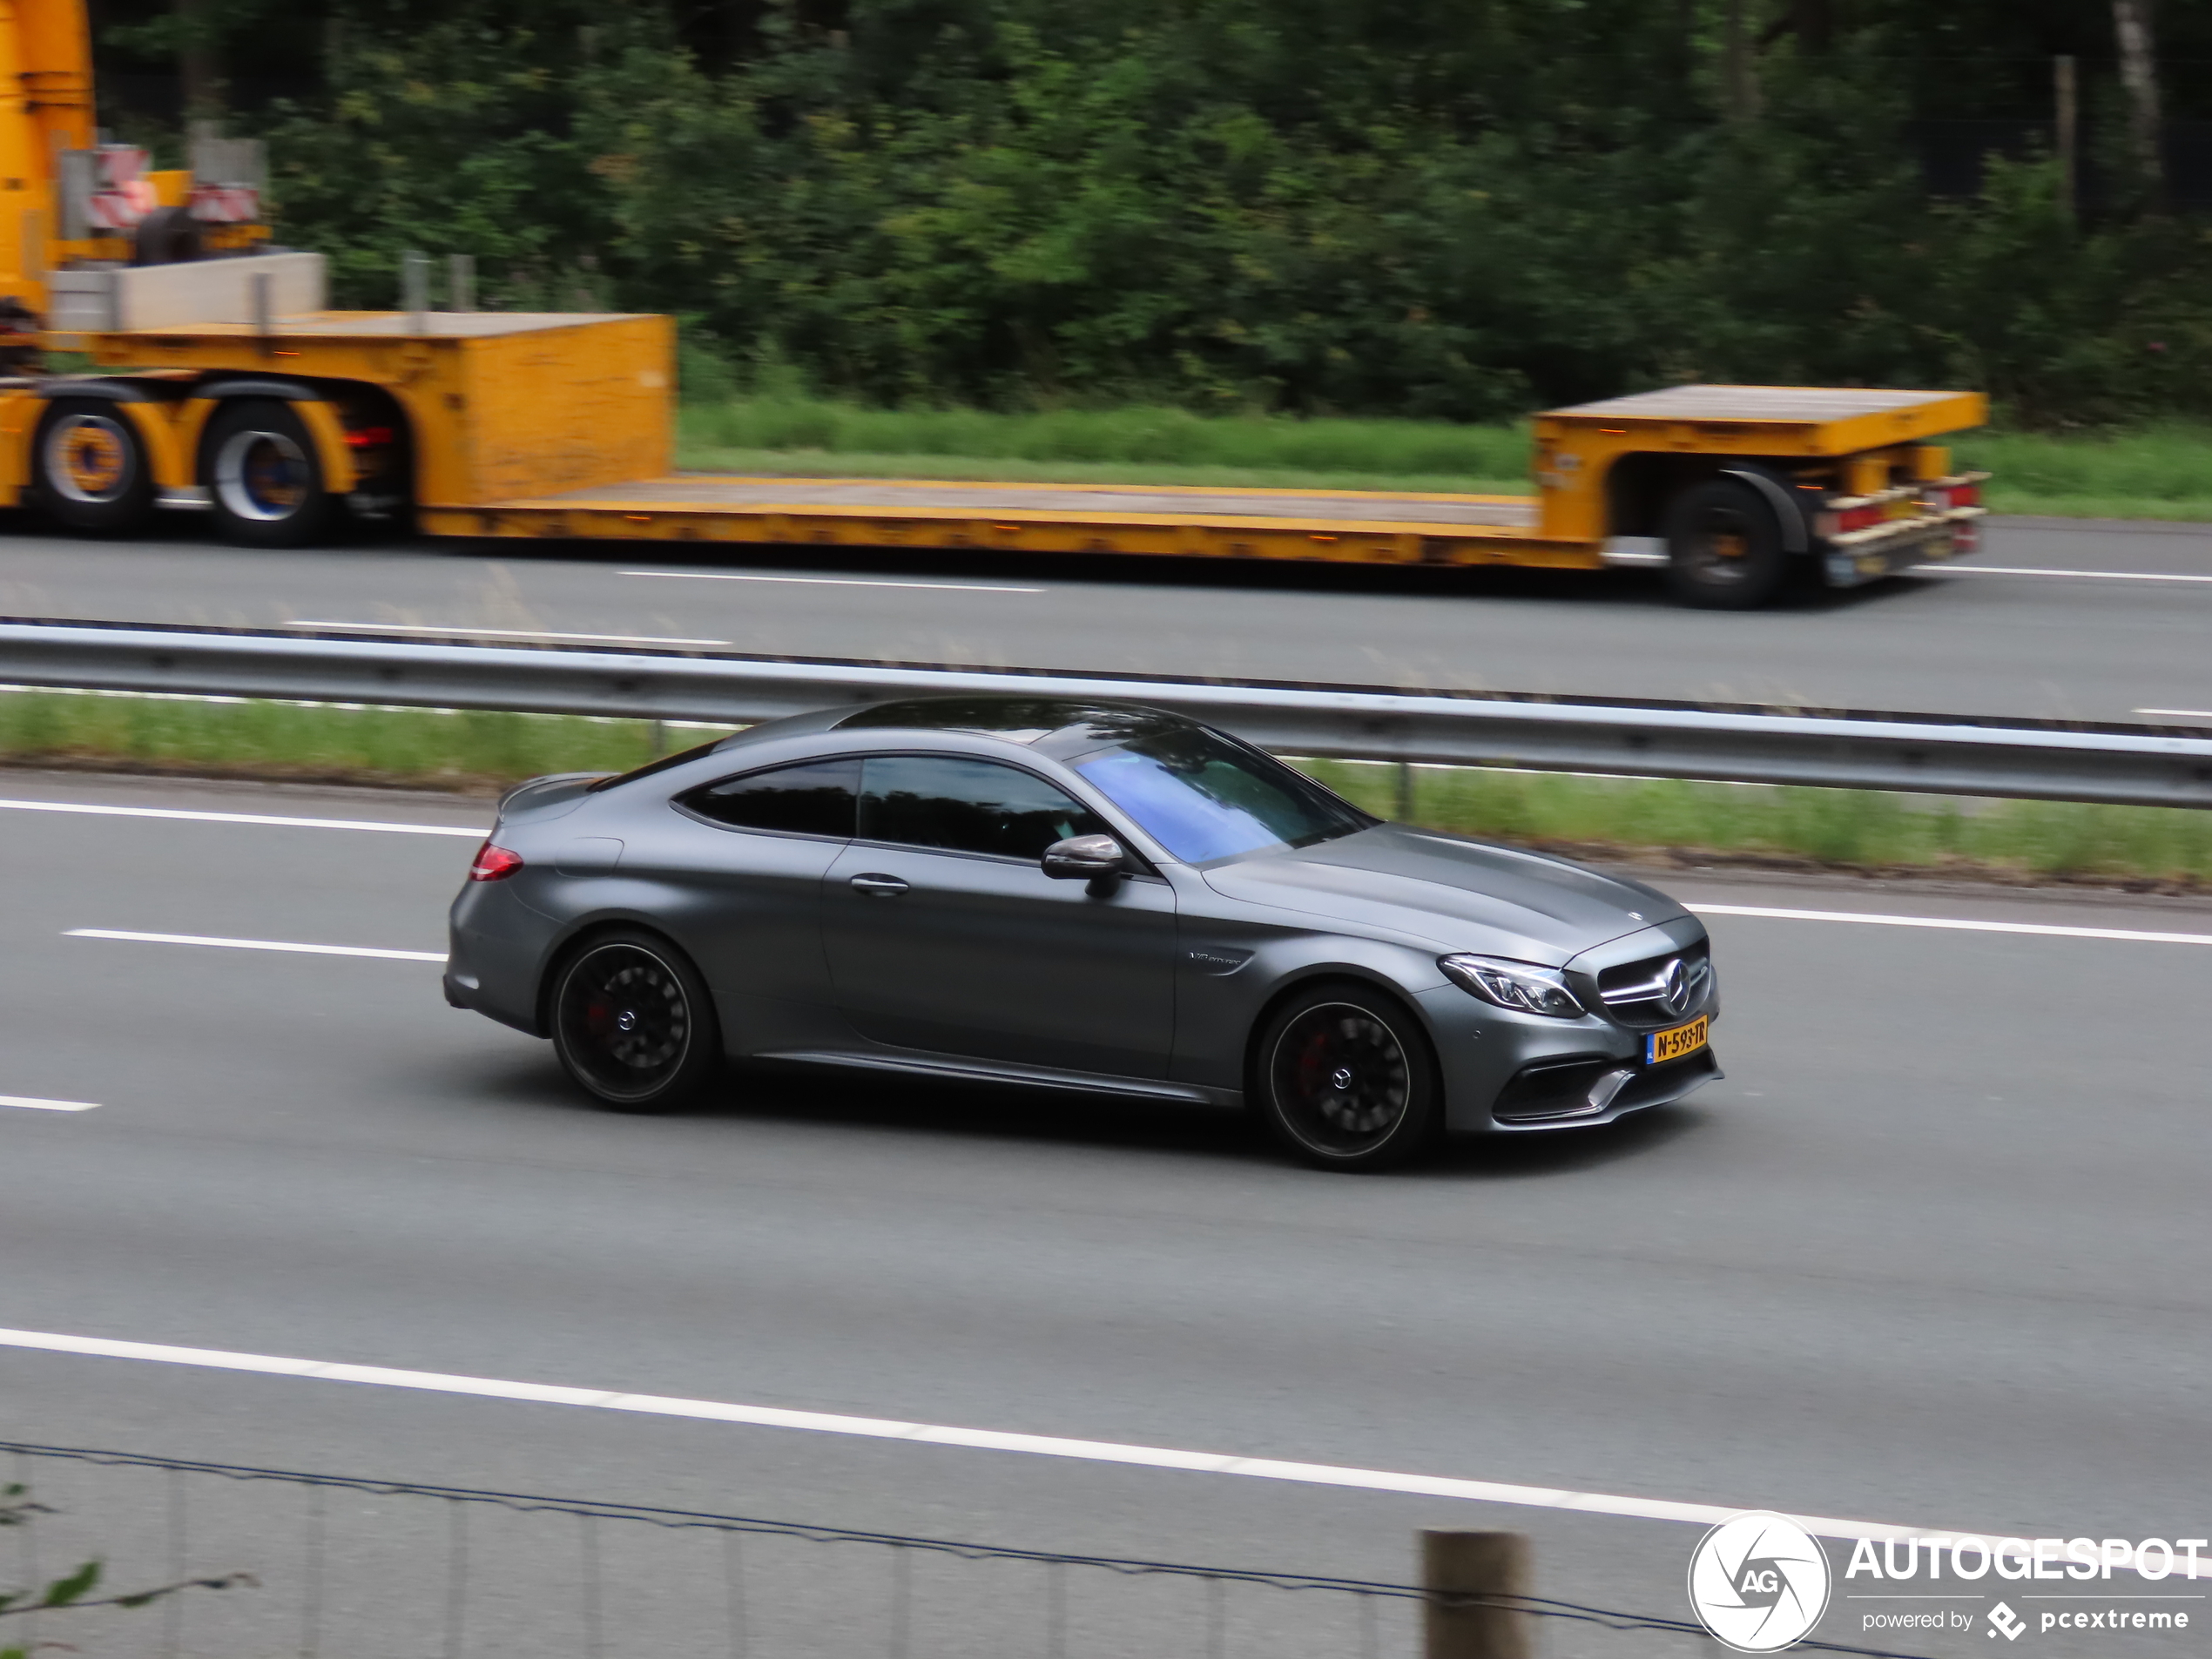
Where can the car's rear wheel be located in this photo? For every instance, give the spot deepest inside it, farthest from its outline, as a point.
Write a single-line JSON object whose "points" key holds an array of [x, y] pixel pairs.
{"points": [[1344, 1078], [633, 1023]]}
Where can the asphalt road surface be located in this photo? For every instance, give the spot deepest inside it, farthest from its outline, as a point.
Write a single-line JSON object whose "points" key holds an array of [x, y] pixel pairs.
{"points": [[1932, 1255], [2084, 621]]}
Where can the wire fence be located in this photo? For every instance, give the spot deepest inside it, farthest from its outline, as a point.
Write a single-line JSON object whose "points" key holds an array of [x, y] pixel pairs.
{"points": [[348, 1567]]}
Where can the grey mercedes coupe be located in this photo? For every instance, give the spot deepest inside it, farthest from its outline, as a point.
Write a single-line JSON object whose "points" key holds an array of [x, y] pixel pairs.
{"points": [[1073, 895]]}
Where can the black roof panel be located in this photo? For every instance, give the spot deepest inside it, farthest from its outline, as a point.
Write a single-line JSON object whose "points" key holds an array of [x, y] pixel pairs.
{"points": [[1056, 725]]}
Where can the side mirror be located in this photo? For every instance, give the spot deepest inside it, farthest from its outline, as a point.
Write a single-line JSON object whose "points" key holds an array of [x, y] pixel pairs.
{"points": [[1084, 858]]}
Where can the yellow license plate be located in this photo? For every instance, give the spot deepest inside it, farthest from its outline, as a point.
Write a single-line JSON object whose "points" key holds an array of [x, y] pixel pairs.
{"points": [[1673, 1045]]}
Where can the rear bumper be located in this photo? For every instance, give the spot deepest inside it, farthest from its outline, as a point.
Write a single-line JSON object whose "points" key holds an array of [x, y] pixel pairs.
{"points": [[1899, 546]]}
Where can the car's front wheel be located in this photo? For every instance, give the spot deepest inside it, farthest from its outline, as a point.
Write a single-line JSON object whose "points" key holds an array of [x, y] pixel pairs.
{"points": [[1344, 1078], [633, 1023]]}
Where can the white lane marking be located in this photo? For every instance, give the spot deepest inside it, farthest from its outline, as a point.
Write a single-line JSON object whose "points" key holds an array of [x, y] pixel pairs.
{"points": [[501, 633], [2029, 570], [837, 581], [38, 1105], [255, 944], [2186, 714], [2131, 935], [1155, 1457], [237, 817]]}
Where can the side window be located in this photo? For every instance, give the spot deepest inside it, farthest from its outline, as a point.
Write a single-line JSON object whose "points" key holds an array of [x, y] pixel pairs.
{"points": [[967, 807], [813, 799]]}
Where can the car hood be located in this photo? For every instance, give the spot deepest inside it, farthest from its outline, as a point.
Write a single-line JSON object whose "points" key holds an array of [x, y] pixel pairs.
{"points": [[1457, 893]]}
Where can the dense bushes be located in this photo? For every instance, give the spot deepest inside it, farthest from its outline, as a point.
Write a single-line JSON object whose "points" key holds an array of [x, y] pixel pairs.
{"points": [[1429, 208]]}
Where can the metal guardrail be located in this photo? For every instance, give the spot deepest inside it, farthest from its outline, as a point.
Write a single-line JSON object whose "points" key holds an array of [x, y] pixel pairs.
{"points": [[2046, 760]]}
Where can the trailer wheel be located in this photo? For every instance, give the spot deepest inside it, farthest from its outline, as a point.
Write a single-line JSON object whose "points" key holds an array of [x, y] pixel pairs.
{"points": [[90, 468], [1725, 548], [265, 482]]}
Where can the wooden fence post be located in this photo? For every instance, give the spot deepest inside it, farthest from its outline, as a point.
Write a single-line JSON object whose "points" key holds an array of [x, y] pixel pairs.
{"points": [[1474, 1580]]}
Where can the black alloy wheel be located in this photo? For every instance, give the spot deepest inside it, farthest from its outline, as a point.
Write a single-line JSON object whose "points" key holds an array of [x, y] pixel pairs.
{"points": [[264, 481], [90, 468], [1345, 1080], [633, 1024], [1725, 548]]}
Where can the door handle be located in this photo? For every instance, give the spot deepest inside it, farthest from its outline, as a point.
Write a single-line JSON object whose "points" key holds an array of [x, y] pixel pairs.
{"points": [[882, 886]]}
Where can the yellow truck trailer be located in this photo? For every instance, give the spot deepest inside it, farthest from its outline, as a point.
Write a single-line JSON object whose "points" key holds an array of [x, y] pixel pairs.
{"points": [[223, 382]]}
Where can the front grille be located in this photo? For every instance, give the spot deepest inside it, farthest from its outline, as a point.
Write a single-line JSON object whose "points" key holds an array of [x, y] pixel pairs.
{"points": [[1631, 991]]}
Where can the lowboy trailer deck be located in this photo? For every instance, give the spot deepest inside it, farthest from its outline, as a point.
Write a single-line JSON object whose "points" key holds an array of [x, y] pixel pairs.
{"points": [[1842, 475]]}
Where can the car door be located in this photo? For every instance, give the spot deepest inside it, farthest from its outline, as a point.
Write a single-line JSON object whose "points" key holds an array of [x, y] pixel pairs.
{"points": [[735, 871], [943, 933]]}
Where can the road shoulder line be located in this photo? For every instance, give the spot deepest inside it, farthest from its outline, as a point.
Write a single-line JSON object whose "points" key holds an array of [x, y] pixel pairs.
{"points": [[1157, 1457]]}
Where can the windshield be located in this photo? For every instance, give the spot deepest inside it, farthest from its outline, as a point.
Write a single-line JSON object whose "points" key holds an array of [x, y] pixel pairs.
{"points": [[1202, 796]]}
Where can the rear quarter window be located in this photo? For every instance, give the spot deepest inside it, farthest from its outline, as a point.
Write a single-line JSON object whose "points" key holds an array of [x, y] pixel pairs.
{"points": [[813, 798]]}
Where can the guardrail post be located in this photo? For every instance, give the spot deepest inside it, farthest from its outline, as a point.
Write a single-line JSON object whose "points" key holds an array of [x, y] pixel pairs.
{"points": [[1475, 1581]]}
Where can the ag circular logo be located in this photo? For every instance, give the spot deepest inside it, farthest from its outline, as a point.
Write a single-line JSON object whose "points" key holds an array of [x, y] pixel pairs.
{"points": [[1759, 1582]]}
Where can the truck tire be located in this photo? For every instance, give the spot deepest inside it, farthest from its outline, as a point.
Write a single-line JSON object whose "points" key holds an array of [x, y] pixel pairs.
{"points": [[90, 469], [1725, 548], [265, 482]]}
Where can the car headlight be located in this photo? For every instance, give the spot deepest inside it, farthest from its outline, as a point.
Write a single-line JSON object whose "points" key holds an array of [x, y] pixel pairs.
{"points": [[1526, 987]]}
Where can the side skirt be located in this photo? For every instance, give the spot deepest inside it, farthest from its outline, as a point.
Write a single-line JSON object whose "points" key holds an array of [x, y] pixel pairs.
{"points": [[987, 1071]]}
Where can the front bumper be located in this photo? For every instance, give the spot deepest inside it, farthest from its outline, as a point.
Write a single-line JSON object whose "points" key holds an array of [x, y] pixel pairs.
{"points": [[1516, 1074], [1573, 1094]]}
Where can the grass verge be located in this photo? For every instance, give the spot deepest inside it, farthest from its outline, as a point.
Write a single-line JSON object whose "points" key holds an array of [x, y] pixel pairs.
{"points": [[1859, 829], [1128, 445], [462, 750], [2161, 472], [1590, 817]]}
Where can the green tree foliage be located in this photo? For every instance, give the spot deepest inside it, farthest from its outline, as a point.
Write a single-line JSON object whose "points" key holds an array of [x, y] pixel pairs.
{"points": [[1441, 208]]}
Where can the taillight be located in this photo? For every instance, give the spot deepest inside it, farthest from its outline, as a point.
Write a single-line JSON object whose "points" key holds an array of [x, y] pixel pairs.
{"points": [[1859, 518], [369, 437], [494, 864]]}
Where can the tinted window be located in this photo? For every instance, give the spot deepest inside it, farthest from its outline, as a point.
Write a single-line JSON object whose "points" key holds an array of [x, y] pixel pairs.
{"points": [[1203, 796], [815, 798], [967, 805]]}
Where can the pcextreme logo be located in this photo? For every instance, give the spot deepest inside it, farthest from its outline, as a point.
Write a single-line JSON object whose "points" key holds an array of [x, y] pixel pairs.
{"points": [[1759, 1582]]}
